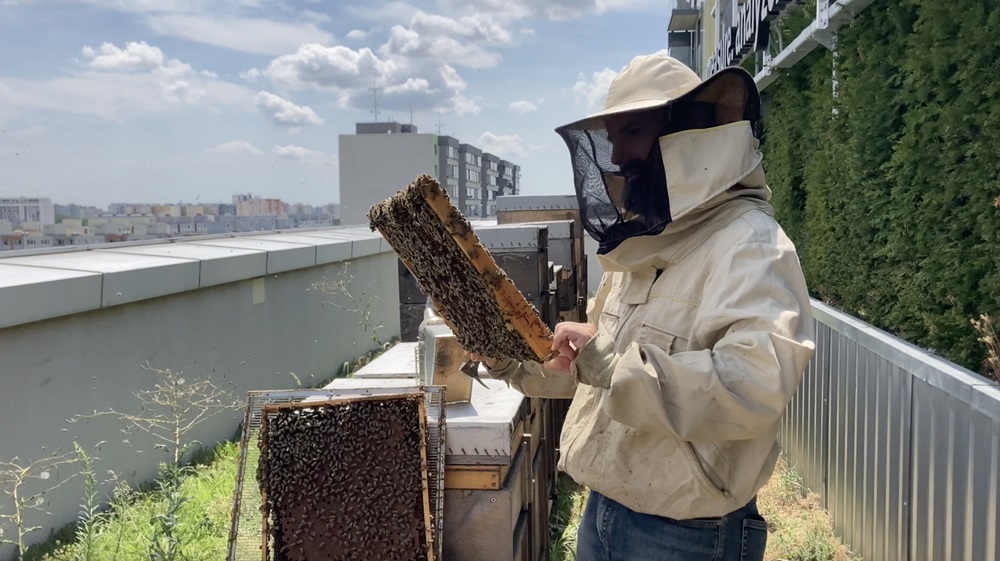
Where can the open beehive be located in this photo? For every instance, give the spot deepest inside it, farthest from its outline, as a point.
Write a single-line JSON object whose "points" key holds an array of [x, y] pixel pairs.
{"points": [[341, 474], [480, 303]]}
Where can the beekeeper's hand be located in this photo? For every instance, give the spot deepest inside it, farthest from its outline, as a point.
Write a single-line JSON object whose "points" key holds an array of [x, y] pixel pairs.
{"points": [[568, 339]]}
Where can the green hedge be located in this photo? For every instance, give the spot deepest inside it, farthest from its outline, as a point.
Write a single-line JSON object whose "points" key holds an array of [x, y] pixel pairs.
{"points": [[890, 187]]}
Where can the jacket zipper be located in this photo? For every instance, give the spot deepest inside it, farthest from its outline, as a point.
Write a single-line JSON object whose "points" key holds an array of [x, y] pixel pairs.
{"points": [[708, 473]]}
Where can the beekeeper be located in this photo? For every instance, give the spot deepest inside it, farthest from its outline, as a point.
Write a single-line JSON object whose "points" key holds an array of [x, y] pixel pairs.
{"points": [[700, 330]]}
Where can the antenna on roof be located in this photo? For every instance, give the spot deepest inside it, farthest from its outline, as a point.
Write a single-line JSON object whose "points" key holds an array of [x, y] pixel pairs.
{"points": [[411, 108], [439, 123], [375, 91]]}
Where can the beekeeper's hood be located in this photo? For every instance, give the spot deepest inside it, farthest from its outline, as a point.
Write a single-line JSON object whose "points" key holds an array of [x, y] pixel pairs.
{"points": [[698, 164]]}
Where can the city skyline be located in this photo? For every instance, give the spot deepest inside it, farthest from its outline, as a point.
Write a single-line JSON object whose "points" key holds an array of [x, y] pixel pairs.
{"points": [[178, 101], [110, 207]]}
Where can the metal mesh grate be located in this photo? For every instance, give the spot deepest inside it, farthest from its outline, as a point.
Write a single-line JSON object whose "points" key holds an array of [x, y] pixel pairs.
{"points": [[245, 537]]}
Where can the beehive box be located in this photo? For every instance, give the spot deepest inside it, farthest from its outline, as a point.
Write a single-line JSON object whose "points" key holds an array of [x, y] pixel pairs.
{"points": [[553, 209], [521, 250], [490, 525], [345, 480]]}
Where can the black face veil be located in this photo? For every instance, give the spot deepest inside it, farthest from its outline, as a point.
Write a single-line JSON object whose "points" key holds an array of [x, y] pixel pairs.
{"points": [[615, 206]]}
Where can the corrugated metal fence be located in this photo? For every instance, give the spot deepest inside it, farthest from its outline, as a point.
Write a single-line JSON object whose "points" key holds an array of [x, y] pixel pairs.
{"points": [[904, 447]]}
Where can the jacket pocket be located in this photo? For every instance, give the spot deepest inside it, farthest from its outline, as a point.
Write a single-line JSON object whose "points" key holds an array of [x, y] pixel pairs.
{"points": [[704, 472], [609, 323], [657, 337]]}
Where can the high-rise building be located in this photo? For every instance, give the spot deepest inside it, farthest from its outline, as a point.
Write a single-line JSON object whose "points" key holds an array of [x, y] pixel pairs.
{"points": [[448, 165], [491, 183], [377, 161], [383, 157], [470, 181], [18, 210]]}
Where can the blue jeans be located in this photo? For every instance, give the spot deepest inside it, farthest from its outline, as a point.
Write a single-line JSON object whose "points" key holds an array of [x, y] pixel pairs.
{"points": [[612, 532]]}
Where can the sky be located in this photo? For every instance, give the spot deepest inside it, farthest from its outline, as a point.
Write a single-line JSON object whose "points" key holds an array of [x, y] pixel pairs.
{"points": [[192, 101]]}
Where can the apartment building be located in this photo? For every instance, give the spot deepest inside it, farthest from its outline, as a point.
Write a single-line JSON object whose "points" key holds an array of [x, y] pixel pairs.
{"points": [[381, 158], [248, 205], [470, 180], [18, 210]]}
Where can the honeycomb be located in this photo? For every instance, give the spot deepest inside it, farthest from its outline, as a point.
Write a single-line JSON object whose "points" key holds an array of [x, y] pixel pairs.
{"points": [[462, 295], [345, 481]]}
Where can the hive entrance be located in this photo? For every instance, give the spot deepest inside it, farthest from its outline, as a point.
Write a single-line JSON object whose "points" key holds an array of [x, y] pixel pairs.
{"points": [[487, 313]]}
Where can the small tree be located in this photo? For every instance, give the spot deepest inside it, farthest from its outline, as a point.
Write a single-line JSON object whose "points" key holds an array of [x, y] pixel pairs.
{"points": [[168, 413], [172, 409], [25, 483], [358, 303]]}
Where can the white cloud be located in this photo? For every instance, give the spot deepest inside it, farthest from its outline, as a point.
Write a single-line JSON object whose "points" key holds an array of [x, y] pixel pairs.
{"points": [[411, 85], [506, 146], [361, 34], [477, 28], [250, 35], [333, 68], [301, 154], [522, 106], [235, 147], [510, 10], [284, 112], [403, 82], [125, 82], [465, 41], [251, 75], [409, 43], [451, 78], [135, 56], [461, 105], [519, 9], [183, 91], [592, 93]]}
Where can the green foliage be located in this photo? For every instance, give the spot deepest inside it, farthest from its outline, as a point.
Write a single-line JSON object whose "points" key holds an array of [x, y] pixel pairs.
{"points": [[185, 517], [795, 19], [86, 530], [564, 520], [889, 188]]}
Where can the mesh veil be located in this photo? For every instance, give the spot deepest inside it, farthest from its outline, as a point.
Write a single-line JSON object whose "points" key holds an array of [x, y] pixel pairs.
{"points": [[613, 209]]}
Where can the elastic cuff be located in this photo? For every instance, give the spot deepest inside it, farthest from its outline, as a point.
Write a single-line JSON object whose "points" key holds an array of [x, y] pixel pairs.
{"points": [[596, 361], [501, 367], [503, 370]]}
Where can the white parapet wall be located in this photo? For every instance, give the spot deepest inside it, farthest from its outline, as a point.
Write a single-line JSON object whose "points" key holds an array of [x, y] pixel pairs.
{"points": [[77, 328]]}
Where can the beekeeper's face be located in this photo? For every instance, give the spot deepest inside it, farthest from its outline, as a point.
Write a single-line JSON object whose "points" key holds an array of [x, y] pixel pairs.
{"points": [[632, 136]]}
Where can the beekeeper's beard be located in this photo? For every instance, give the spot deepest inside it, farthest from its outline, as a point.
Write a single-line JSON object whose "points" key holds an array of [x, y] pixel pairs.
{"points": [[645, 186]]}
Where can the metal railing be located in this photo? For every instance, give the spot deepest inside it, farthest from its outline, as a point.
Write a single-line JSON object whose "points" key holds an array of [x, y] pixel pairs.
{"points": [[903, 446]]}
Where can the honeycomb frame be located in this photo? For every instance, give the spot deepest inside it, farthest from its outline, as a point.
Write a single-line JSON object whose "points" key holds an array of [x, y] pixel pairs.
{"points": [[246, 532], [487, 313]]}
